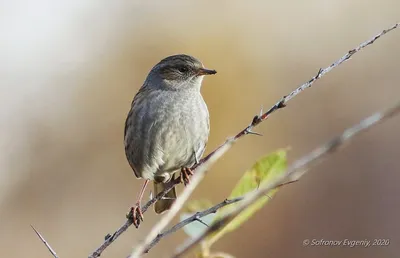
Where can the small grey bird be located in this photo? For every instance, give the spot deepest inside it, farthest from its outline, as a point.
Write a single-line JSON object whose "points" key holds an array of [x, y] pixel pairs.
{"points": [[167, 127]]}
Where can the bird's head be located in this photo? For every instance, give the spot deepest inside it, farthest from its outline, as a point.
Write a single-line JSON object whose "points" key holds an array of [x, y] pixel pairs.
{"points": [[178, 72]]}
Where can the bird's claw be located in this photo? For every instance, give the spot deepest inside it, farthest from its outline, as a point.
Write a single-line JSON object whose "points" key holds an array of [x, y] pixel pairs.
{"points": [[137, 214], [185, 175]]}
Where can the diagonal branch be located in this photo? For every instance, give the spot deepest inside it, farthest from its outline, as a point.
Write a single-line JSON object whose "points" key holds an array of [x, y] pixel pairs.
{"points": [[45, 242], [248, 130], [111, 238], [197, 216], [294, 172], [282, 102], [180, 201]]}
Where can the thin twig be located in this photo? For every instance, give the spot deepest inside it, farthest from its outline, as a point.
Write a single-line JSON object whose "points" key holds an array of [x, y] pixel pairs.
{"points": [[180, 201], [45, 243], [194, 217], [198, 215], [282, 102], [294, 172], [111, 238], [248, 130]]}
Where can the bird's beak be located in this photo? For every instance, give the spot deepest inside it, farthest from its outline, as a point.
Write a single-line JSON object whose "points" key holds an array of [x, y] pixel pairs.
{"points": [[204, 71]]}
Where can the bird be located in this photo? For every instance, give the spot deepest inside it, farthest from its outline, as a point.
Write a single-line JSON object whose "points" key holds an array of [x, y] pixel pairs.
{"points": [[167, 127]]}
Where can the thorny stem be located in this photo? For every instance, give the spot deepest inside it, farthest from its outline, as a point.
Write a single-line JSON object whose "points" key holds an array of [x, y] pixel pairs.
{"points": [[248, 130], [294, 172]]}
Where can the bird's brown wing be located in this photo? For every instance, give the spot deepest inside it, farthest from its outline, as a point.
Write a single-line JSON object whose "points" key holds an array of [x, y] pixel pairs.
{"points": [[129, 123]]}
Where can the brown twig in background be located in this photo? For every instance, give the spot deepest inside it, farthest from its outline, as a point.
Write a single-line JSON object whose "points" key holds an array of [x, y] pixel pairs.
{"points": [[248, 130], [294, 172], [45, 242]]}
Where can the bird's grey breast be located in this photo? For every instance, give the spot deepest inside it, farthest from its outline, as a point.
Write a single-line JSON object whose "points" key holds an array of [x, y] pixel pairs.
{"points": [[168, 130]]}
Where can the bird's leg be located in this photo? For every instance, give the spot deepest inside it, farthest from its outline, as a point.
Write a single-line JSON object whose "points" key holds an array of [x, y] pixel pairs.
{"points": [[185, 174], [136, 211]]}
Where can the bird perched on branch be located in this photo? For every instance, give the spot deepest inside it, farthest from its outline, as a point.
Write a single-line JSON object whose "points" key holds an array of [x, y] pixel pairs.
{"points": [[167, 127]]}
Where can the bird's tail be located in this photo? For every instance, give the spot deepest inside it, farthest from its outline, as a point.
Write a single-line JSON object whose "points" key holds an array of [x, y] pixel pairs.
{"points": [[166, 203]]}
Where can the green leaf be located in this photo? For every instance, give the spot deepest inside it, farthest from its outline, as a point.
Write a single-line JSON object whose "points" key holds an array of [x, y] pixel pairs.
{"points": [[265, 169]]}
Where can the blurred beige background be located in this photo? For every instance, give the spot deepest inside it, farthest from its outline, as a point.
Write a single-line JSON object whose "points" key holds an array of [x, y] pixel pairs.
{"points": [[69, 70]]}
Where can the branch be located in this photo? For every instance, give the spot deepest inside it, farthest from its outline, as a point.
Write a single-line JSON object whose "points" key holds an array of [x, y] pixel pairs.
{"points": [[294, 172], [282, 102], [182, 198], [111, 238], [248, 130], [196, 217], [45, 242]]}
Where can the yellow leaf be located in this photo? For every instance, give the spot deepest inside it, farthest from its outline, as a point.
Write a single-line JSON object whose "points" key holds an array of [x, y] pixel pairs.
{"points": [[265, 169]]}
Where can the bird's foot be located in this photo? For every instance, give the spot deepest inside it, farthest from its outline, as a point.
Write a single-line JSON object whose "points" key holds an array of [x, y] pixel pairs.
{"points": [[136, 215], [185, 175]]}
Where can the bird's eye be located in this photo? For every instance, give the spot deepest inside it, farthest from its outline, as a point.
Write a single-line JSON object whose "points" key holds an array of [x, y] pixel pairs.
{"points": [[183, 69]]}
